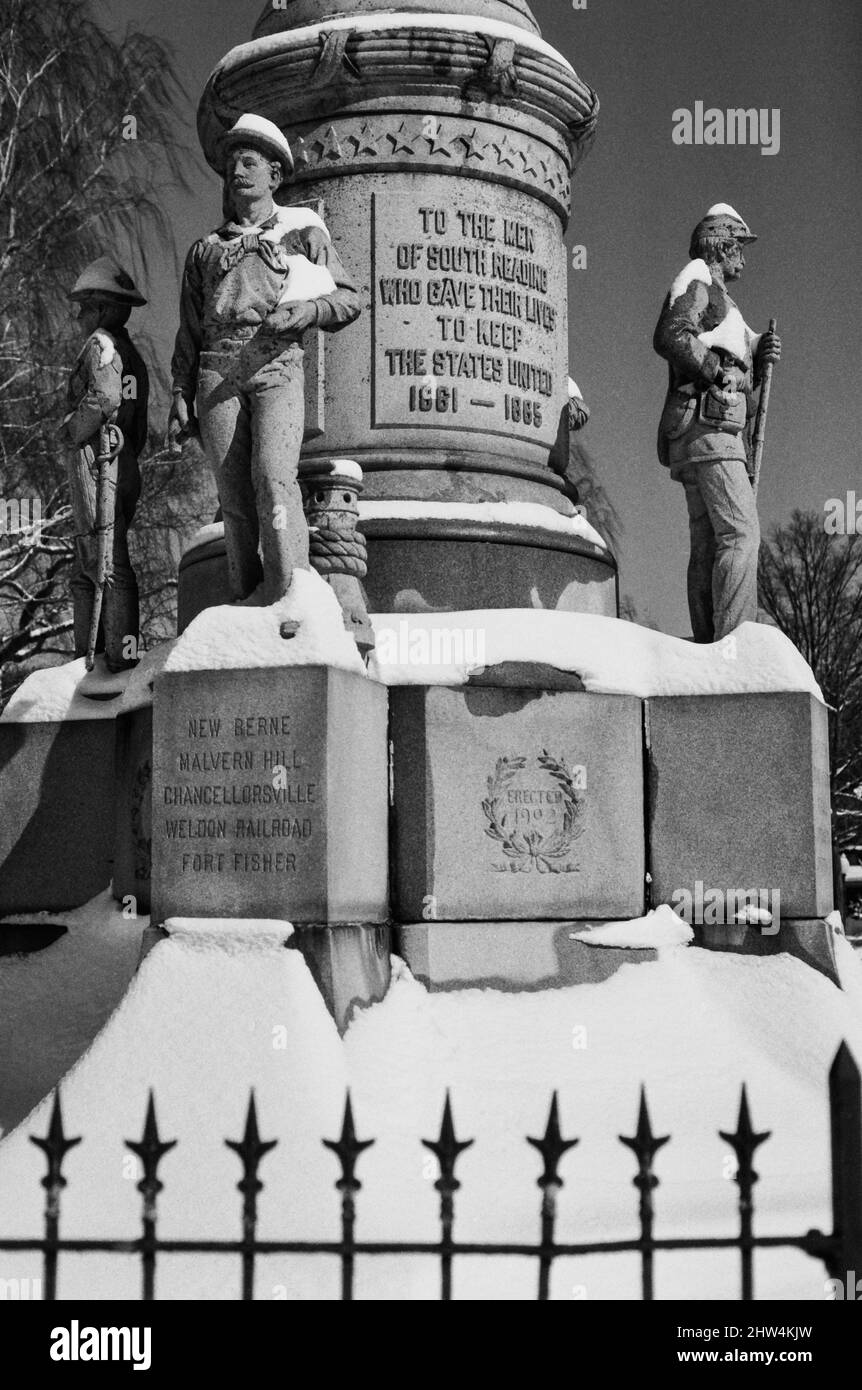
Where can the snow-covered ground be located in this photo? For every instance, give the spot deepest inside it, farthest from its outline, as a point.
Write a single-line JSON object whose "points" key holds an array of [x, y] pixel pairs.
{"points": [[66, 692], [54, 1001], [216, 1011]]}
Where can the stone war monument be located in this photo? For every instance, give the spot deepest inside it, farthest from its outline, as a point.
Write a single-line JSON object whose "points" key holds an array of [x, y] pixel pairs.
{"points": [[438, 737], [439, 142]]}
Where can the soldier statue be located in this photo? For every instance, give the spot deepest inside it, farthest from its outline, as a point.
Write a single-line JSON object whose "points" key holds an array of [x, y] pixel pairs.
{"points": [[715, 368], [108, 387], [250, 291]]}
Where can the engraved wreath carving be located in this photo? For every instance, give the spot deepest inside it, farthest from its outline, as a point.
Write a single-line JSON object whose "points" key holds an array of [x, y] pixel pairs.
{"points": [[534, 845]]}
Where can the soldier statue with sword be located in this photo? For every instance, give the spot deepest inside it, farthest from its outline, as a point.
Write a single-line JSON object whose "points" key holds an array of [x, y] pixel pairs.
{"points": [[106, 423]]}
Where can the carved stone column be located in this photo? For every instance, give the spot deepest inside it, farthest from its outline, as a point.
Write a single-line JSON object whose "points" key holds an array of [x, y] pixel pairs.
{"points": [[438, 141]]}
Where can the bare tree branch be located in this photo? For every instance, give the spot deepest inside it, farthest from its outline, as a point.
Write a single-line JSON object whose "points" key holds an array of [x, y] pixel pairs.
{"points": [[810, 585]]}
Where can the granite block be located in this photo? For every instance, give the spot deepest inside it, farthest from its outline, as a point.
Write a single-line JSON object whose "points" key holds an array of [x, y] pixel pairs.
{"points": [[134, 807], [56, 813], [810, 941], [515, 804], [509, 956], [738, 798], [270, 795], [351, 965]]}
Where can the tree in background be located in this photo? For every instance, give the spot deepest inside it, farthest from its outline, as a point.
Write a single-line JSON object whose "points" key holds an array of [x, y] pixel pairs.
{"points": [[810, 585], [87, 139]]}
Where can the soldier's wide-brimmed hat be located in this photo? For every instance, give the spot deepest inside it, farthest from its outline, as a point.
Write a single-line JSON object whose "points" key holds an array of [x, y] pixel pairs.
{"points": [[105, 278], [261, 134], [722, 223]]}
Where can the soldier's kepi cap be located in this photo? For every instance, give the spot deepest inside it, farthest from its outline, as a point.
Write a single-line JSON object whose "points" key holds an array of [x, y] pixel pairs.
{"points": [[722, 223], [261, 134], [105, 278]]}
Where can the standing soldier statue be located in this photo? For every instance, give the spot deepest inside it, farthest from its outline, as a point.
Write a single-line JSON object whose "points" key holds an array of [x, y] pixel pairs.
{"points": [[107, 424], [716, 367], [250, 290]]}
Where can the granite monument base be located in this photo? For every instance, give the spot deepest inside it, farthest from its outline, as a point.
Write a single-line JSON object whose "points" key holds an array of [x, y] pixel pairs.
{"points": [[511, 956], [270, 795], [56, 813], [434, 565], [134, 807], [351, 965], [810, 941], [516, 804], [444, 566], [550, 955], [739, 798]]}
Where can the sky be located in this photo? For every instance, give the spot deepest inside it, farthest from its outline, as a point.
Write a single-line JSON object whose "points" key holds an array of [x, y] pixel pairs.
{"points": [[636, 198]]}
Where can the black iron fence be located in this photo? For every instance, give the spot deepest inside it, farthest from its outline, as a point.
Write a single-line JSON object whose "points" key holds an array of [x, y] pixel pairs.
{"points": [[840, 1251]]}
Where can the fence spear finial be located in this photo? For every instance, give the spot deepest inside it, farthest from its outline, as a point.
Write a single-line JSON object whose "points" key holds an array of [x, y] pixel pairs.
{"points": [[251, 1149], [447, 1149], [644, 1144], [348, 1148], [150, 1149], [552, 1146], [55, 1146], [746, 1141]]}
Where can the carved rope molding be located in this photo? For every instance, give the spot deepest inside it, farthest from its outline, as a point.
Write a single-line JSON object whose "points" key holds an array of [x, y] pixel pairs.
{"points": [[296, 81]]}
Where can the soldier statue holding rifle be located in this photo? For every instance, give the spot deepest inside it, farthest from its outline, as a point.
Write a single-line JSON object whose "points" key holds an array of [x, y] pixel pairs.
{"points": [[718, 369]]}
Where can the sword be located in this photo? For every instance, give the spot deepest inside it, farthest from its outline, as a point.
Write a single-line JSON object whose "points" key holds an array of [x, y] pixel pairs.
{"points": [[110, 444]]}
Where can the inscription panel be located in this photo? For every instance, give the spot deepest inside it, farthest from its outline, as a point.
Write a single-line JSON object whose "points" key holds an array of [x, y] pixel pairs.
{"points": [[242, 820], [239, 792], [469, 315]]}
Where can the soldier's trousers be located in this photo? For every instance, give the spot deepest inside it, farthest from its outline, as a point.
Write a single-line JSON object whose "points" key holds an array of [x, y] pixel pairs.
{"points": [[725, 540], [251, 409], [120, 618]]}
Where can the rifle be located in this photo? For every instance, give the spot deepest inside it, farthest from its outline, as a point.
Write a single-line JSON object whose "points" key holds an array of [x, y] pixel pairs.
{"points": [[110, 444], [760, 421]]}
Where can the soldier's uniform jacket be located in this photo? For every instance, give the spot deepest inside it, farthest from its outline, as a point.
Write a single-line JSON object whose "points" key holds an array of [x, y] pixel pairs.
{"points": [[109, 384], [235, 277], [699, 332]]}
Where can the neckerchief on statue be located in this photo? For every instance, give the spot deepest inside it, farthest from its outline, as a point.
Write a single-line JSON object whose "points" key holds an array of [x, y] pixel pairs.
{"points": [[248, 241]]}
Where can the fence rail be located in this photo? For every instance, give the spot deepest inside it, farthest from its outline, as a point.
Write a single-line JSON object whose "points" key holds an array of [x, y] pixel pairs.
{"points": [[841, 1250]]}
